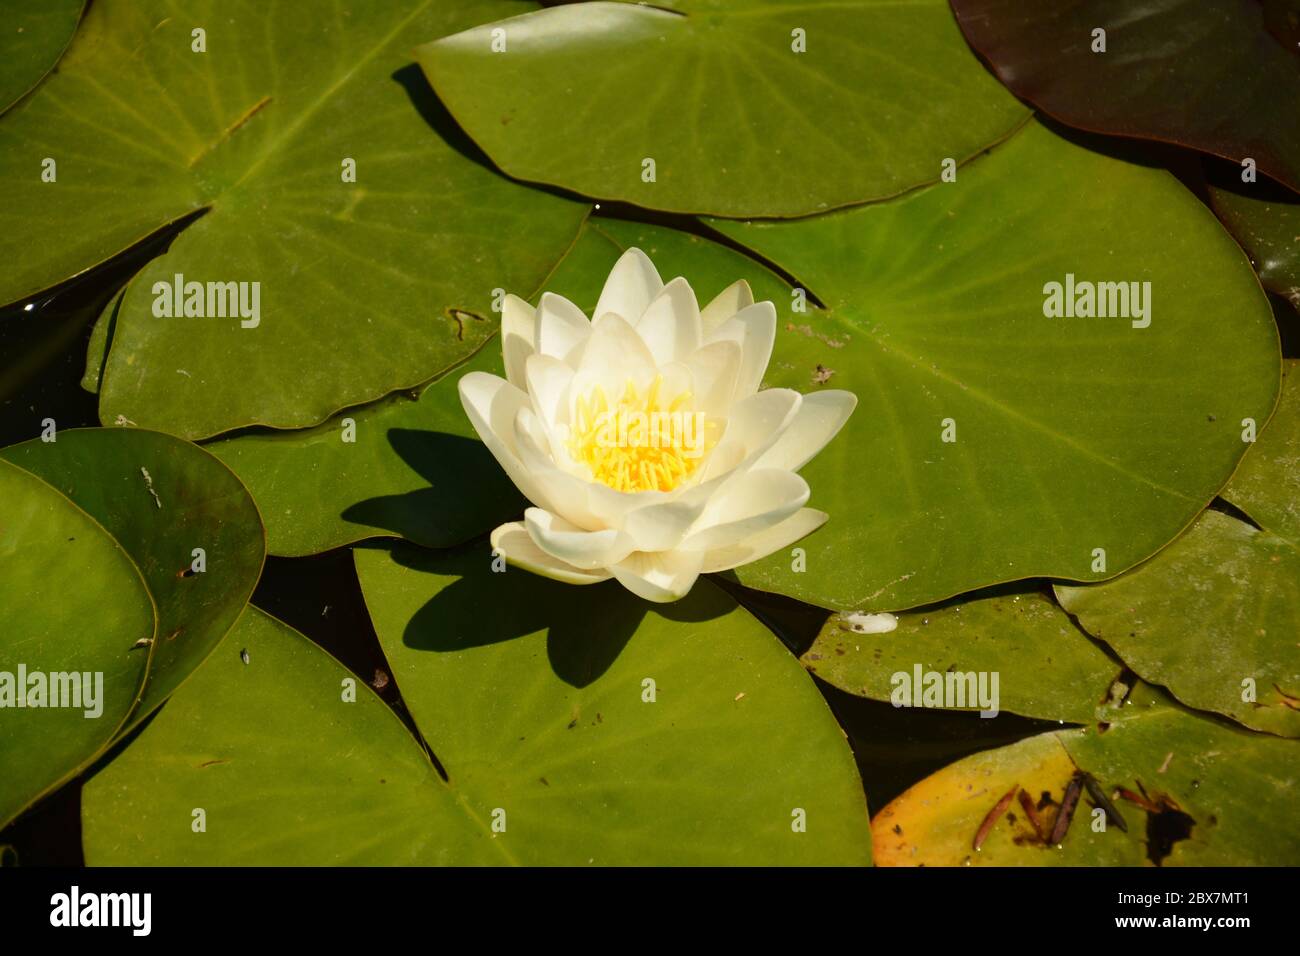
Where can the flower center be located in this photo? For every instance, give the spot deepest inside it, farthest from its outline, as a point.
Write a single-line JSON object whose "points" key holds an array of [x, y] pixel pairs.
{"points": [[641, 441]]}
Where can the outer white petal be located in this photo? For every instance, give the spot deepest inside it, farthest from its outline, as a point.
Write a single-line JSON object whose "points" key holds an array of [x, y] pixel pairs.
{"points": [[512, 540], [662, 526], [492, 405], [632, 283], [662, 577], [518, 337], [754, 330], [748, 506], [754, 425], [725, 304], [820, 417], [590, 550], [761, 545], [562, 328], [566, 493], [670, 326], [548, 386]]}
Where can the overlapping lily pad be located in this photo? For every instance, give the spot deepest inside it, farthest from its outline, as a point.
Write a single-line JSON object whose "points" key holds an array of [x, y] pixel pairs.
{"points": [[405, 466], [1206, 794], [163, 500], [745, 109], [364, 287], [615, 732], [1045, 666], [1072, 436], [554, 754], [1265, 219], [72, 603], [1215, 616], [1216, 75], [32, 36]]}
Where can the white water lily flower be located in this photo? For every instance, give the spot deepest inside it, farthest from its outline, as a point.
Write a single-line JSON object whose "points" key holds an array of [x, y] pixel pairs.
{"points": [[642, 438]]}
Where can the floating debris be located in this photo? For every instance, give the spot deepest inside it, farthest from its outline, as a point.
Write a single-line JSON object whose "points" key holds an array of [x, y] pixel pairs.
{"points": [[982, 834]]}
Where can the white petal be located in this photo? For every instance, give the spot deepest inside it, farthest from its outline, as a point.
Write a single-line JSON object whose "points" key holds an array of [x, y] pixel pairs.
{"points": [[518, 331], [748, 506], [492, 404], [761, 545], [659, 577], [820, 417], [590, 550], [725, 304], [754, 330], [754, 425], [661, 526], [613, 356], [561, 327], [548, 386], [713, 370], [512, 540], [565, 492], [670, 326], [632, 283]]}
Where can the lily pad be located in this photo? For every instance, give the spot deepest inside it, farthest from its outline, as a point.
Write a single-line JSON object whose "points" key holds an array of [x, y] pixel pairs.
{"points": [[1079, 446], [406, 466], [71, 603], [1212, 794], [162, 500], [362, 288], [283, 769], [32, 37], [1220, 76], [737, 119], [1214, 616], [1265, 219], [1045, 666], [612, 731], [596, 778]]}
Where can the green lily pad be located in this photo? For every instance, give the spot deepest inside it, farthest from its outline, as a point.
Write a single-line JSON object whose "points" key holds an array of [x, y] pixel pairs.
{"points": [[161, 499], [1073, 436], [1213, 796], [32, 37], [1214, 616], [363, 288], [1045, 666], [1220, 76], [736, 120], [71, 602], [534, 694], [283, 768], [415, 469], [101, 333], [596, 778]]}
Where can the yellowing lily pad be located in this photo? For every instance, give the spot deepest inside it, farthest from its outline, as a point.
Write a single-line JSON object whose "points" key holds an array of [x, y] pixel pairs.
{"points": [[723, 106], [995, 440], [1191, 791]]}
